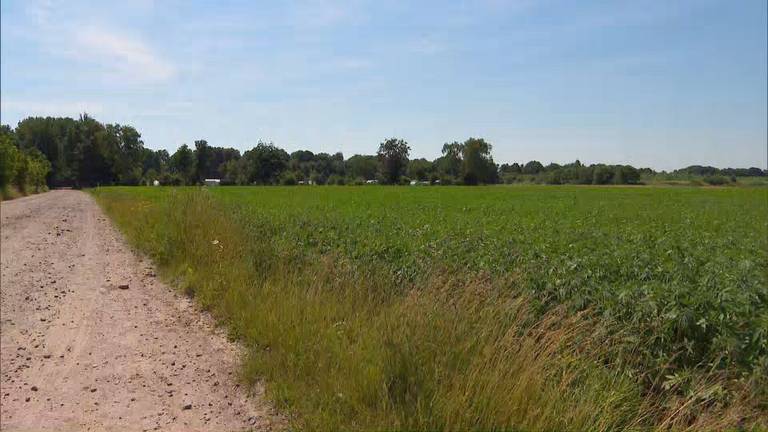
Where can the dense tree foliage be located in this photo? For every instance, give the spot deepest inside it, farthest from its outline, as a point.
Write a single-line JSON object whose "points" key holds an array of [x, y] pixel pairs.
{"points": [[421, 170], [23, 169], [182, 165], [53, 151], [698, 170], [362, 167], [393, 157], [477, 164], [264, 163]]}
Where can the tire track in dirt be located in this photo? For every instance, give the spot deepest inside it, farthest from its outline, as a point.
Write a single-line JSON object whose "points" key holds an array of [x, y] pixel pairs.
{"points": [[79, 353]]}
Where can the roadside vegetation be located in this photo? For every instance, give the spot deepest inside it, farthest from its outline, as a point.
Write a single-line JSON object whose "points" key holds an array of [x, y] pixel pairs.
{"points": [[22, 172], [524, 308]]}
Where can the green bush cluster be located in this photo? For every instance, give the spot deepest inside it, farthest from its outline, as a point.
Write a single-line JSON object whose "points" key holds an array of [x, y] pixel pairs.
{"points": [[22, 171]]}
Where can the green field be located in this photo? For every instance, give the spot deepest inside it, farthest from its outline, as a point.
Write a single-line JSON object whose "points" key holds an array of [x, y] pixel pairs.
{"points": [[504, 308]]}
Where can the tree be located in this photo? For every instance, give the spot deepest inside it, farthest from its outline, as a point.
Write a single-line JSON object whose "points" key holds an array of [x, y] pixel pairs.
{"points": [[477, 163], [362, 166], [265, 163], [626, 174], [202, 155], [9, 161], [233, 171], [420, 169], [533, 167], [95, 153], [183, 164], [57, 139], [38, 169], [127, 164], [217, 157], [602, 175], [515, 168], [450, 163], [393, 159], [156, 160]]}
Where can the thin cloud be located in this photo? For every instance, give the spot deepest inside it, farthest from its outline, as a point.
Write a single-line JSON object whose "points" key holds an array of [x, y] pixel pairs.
{"points": [[123, 54]]}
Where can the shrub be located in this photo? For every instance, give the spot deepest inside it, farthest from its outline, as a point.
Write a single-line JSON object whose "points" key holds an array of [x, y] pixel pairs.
{"points": [[10, 158], [336, 179], [715, 180], [288, 179], [602, 175]]}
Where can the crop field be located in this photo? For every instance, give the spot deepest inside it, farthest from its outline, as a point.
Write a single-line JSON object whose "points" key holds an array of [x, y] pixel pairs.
{"points": [[500, 307]]}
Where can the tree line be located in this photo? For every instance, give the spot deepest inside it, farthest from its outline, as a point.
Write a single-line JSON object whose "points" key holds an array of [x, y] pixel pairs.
{"points": [[61, 151]]}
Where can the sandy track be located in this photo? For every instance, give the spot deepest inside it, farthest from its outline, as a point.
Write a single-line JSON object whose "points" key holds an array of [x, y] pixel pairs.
{"points": [[79, 353]]}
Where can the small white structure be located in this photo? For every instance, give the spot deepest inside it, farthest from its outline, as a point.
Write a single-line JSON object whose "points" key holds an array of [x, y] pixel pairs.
{"points": [[156, 183], [212, 182], [371, 181]]}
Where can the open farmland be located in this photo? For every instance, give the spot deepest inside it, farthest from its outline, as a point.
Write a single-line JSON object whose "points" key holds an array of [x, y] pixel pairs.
{"points": [[479, 308]]}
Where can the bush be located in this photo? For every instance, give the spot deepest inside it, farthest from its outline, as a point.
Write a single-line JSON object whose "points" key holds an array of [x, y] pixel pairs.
{"points": [[602, 175], [317, 179], [336, 179], [446, 180], [510, 178], [27, 171], [288, 179], [9, 161], [555, 177], [715, 180]]}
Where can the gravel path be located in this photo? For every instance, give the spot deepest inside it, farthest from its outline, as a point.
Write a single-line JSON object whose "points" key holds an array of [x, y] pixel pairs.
{"points": [[91, 340]]}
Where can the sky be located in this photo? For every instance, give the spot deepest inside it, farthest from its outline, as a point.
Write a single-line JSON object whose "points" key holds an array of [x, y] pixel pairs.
{"points": [[662, 84]]}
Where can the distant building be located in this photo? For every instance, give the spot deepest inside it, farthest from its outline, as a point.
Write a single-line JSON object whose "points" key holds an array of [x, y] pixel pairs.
{"points": [[212, 182], [156, 183], [371, 181]]}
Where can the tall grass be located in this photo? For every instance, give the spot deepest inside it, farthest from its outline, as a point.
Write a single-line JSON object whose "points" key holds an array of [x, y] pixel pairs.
{"points": [[342, 348]]}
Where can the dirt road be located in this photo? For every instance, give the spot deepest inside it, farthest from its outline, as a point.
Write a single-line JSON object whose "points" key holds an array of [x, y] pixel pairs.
{"points": [[80, 351]]}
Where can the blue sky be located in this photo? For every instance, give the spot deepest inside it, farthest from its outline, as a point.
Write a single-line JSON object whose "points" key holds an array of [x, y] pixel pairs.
{"points": [[652, 83]]}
